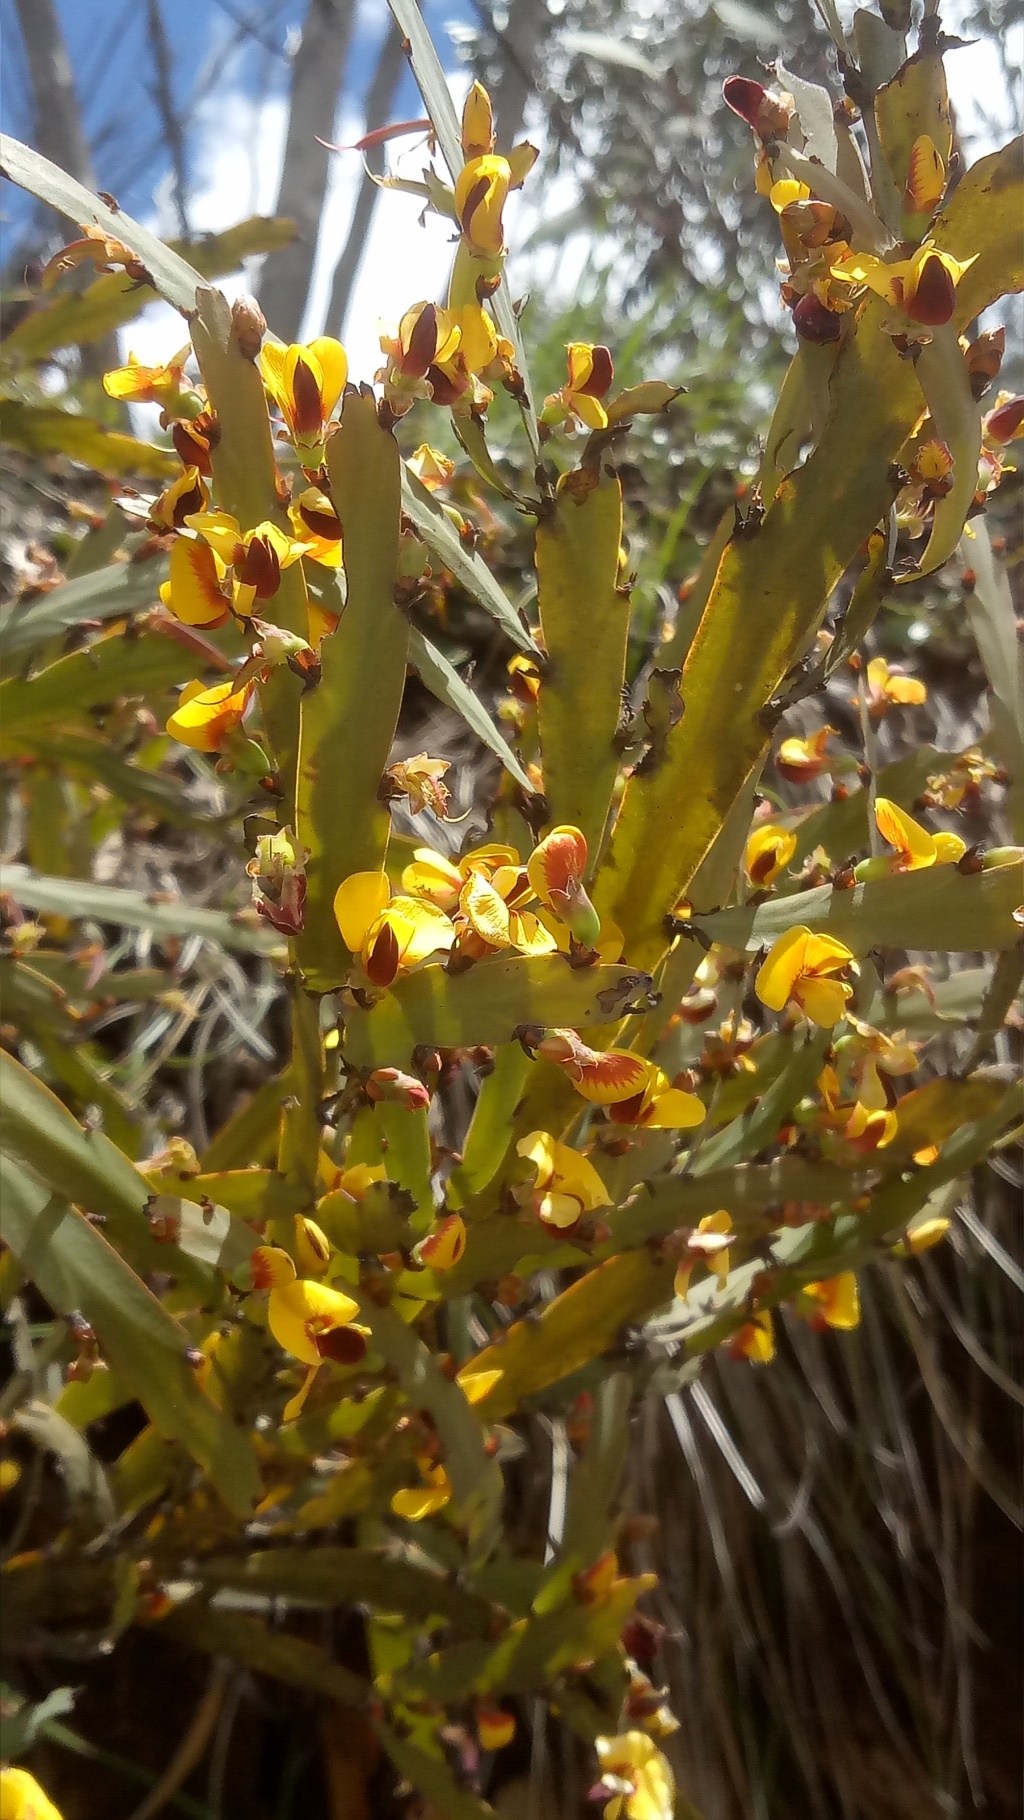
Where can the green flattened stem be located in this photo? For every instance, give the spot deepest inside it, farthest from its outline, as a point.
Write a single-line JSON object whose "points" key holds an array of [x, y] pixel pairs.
{"points": [[245, 481], [773, 584], [585, 621], [348, 720]]}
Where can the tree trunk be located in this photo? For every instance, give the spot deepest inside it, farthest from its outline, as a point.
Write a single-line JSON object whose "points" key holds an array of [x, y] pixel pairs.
{"points": [[316, 83], [58, 129], [379, 98]]}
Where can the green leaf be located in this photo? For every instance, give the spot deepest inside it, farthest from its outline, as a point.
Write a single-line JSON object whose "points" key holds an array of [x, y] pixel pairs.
{"points": [[585, 623], [265, 1651], [467, 566], [38, 1131], [797, 1070], [90, 1504], [42, 430], [109, 593], [956, 421], [490, 1128], [77, 318], [476, 1479], [991, 617], [352, 1576], [111, 667], [937, 908], [348, 720], [131, 910], [444, 682], [93, 758], [578, 1326], [75, 1268], [432, 1778], [173, 277], [486, 1004]]}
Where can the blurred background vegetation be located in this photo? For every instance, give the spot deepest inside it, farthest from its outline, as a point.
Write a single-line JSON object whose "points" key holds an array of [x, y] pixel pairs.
{"points": [[838, 1544]]}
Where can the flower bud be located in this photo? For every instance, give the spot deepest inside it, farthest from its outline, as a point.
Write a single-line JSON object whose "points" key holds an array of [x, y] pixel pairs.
{"points": [[1004, 423], [397, 1089], [248, 326], [983, 359], [814, 323]]}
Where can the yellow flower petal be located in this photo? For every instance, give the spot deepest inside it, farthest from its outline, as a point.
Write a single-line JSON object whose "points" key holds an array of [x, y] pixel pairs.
{"points": [[358, 902], [21, 1797], [485, 911], [914, 844], [333, 362], [823, 1000]]}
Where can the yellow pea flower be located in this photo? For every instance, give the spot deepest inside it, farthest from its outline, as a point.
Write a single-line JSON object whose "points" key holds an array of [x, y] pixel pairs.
{"points": [[798, 968], [489, 916], [566, 1186], [915, 847], [886, 686], [591, 372], [353, 1180], [256, 557], [494, 1727], [390, 934], [138, 384], [21, 1797], [637, 1776], [424, 359], [309, 1320], [442, 1249], [708, 1242], [316, 524], [481, 191], [658, 1105], [923, 286], [755, 1340], [768, 852], [300, 1312], [833, 1303], [802, 760], [926, 178], [431, 467], [432, 1494], [205, 717], [193, 591], [187, 493], [305, 383]]}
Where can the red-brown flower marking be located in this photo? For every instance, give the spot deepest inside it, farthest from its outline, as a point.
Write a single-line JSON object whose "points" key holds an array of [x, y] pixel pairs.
{"points": [[556, 870], [602, 1076]]}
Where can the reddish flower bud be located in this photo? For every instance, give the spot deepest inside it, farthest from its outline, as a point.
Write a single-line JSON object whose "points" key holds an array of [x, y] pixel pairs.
{"points": [[261, 568], [744, 97], [1004, 423], [398, 1089], [814, 323]]}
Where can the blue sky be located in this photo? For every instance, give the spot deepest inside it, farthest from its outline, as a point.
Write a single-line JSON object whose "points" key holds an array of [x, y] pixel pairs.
{"points": [[110, 55]]}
